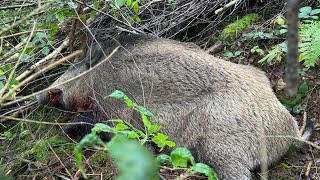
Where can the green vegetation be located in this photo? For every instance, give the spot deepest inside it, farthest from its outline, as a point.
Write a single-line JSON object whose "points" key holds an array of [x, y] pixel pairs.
{"points": [[234, 29], [294, 105], [180, 158], [309, 39], [133, 160]]}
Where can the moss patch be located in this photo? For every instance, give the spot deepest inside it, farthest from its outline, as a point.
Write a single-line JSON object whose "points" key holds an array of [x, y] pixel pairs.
{"points": [[233, 30], [42, 151]]}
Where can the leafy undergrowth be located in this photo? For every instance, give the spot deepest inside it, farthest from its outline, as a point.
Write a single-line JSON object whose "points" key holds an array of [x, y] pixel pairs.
{"points": [[35, 150], [128, 155], [265, 48]]}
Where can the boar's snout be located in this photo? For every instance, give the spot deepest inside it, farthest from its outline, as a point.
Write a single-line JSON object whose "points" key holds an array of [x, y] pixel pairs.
{"points": [[52, 97]]}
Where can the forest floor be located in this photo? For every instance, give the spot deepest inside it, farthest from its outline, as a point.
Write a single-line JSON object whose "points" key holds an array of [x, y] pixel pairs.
{"points": [[37, 151]]}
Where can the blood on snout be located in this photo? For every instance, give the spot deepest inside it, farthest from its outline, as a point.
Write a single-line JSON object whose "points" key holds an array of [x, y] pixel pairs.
{"points": [[54, 96]]}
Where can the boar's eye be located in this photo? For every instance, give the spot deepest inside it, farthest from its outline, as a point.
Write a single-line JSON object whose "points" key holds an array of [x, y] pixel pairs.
{"points": [[95, 53]]}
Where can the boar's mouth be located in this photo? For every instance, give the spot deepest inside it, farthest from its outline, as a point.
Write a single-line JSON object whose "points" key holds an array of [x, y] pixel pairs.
{"points": [[52, 98], [55, 98]]}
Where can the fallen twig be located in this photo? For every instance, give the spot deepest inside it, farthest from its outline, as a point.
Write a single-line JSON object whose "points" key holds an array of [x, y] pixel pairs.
{"points": [[61, 162], [17, 63], [17, 6], [50, 66], [304, 122], [52, 55], [308, 169], [227, 6], [54, 86]]}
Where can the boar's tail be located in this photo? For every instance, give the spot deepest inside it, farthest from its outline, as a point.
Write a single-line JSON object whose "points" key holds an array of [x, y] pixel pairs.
{"points": [[308, 131]]}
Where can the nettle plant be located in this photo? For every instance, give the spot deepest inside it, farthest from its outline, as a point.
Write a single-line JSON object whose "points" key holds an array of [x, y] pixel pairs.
{"points": [[309, 40], [126, 147]]}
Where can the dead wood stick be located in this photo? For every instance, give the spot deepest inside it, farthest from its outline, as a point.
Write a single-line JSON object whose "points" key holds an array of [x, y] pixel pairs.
{"points": [[50, 66], [17, 63], [55, 154], [52, 55], [227, 6], [16, 6], [54, 86]]}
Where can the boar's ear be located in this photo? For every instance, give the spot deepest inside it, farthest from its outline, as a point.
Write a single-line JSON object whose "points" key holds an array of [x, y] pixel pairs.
{"points": [[95, 53]]}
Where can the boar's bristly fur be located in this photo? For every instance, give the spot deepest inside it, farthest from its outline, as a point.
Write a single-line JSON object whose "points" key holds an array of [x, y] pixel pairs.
{"points": [[211, 106]]}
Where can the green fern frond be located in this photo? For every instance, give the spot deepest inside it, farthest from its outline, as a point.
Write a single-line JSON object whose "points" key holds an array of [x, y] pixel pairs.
{"points": [[309, 46]]}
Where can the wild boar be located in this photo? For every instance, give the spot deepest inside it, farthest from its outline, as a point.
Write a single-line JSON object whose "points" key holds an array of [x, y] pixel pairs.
{"points": [[209, 105]]}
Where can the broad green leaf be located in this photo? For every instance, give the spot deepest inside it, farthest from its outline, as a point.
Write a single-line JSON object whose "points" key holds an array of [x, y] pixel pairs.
{"points": [[205, 169], [119, 3], [121, 127], [181, 156], [96, 4], [117, 94], [72, 4], [163, 158], [137, 19], [142, 134], [153, 129], [100, 127], [14, 81], [53, 28], [280, 20], [228, 55], [170, 143], [93, 14], [237, 53], [1, 85], [282, 31], [25, 58], [88, 140], [45, 50], [129, 102], [133, 160], [60, 17], [133, 135], [6, 67], [314, 12], [306, 9], [8, 134], [160, 140], [146, 121], [144, 110], [303, 88], [303, 16], [271, 57], [314, 17], [284, 165], [135, 7], [129, 3]]}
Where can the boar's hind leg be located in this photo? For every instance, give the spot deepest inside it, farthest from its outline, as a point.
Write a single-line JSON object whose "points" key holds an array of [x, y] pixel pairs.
{"points": [[233, 171]]}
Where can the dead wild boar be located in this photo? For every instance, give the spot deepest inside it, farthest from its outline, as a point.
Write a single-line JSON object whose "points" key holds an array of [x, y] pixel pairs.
{"points": [[211, 106]]}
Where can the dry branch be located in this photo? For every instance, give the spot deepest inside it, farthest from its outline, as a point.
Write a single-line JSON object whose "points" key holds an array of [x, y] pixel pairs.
{"points": [[227, 6], [43, 61], [50, 66], [69, 80], [55, 154], [17, 63], [17, 6]]}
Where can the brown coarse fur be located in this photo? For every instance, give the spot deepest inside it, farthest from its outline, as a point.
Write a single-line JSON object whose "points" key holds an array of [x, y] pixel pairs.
{"points": [[211, 106]]}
